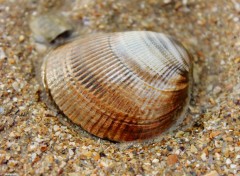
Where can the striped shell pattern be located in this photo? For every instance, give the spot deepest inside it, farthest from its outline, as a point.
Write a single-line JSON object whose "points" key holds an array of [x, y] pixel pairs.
{"points": [[120, 86]]}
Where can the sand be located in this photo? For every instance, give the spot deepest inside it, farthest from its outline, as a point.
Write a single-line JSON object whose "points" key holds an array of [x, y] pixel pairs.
{"points": [[35, 140]]}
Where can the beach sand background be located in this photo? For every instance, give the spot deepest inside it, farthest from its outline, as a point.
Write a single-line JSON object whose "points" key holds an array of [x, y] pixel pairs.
{"points": [[35, 140]]}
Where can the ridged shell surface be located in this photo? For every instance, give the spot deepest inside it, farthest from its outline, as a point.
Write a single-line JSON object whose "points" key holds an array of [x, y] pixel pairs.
{"points": [[120, 86]]}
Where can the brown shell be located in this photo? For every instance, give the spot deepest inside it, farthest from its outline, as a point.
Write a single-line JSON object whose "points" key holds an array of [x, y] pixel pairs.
{"points": [[120, 86]]}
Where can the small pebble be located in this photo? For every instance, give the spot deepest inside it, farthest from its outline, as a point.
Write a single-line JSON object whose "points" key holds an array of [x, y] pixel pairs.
{"points": [[43, 148], [204, 157], [169, 148], [229, 139], [172, 159], [103, 164], [97, 157], [56, 128], [16, 86], [12, 163], [182, 148], [193, 149], [213, 134], [177, 152], [235, 19], [21, 38], [236, 5], [228, 161], [34, 155], [71, 153], [155, 160], [238, 157], [2, 54], [102, 154], [179, 134], [1, 110], [217, 90], [233, 166], [237, 60]]}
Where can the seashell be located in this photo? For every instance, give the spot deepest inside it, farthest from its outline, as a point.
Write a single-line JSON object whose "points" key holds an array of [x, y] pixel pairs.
{"points": [[120, 86], [50, 27]]}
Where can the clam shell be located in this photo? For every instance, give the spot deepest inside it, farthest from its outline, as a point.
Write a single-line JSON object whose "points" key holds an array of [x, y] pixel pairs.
{"points": [[120, 86], [50, 27]]}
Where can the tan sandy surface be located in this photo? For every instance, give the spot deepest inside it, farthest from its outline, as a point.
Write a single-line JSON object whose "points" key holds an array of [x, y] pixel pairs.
{"points": [[34, 140]]}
